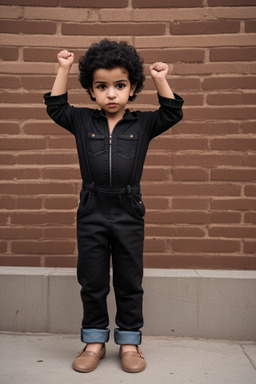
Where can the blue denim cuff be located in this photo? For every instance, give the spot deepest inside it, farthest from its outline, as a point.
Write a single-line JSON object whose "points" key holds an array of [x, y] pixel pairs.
{"points": [[94, 335], [127, 337]]}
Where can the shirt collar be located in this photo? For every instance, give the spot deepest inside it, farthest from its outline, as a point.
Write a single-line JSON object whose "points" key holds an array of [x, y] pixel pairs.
{"points": [[128, 115]]}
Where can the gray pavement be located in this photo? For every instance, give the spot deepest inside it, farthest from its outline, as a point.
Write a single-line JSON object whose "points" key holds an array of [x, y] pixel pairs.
{"points": [[46, 359]]}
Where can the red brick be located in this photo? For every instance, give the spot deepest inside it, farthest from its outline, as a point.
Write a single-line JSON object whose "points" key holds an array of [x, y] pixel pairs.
{"points": [[155, 202], [193, 99], [232, 232], [206, 245], [196, 174], [219, 113], [25, 112], [42, 218], [10, 82], [27, 27], [3, 218], [60, 232], [207, 160], [61, 203], [250, 26], [7, 159], [206, 128], [245, 82], [172, 231], [20, 98], [233, 54], [44, 128], [7, 202], [250, 217], [209, 261], [9, 128], [28, 203], [21, 233], [9, 53], [95, 3], [220, 217], [231, 99], [22, 144], [173, 55], [250, 246], [45, 3], [228, 3], [238, 204], [166, 3], [60, 261], [155, 174], [233, 174], [248, 127], [154, 245], [250, 190], [37, 188], [190, 203], [185, 189], [37, 82], [61, 173], [138, 29], [158, 159], [20, 261], [241, 144], [187, 84], [175, 144], [61, 143], [192, 217], [48, 157], [204, 27], [19, 174], [3, 246], [250, 160], [42, 247]]}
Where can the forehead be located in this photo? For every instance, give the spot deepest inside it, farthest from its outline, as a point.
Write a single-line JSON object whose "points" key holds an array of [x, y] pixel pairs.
{"points": [[110, 75]]}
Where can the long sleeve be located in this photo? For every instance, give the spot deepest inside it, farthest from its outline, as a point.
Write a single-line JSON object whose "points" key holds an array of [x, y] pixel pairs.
{"points": [[169, 113], [60, 111]]}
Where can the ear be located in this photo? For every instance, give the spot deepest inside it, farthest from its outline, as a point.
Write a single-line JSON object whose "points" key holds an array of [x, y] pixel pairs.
{"points": [[132, 90]]}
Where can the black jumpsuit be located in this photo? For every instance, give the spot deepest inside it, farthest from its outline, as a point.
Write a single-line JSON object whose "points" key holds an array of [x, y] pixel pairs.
{"points": [[110, 216]]}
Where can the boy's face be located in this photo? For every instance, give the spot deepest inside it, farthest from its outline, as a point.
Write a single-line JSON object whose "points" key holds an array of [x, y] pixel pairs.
{"points": [[111, 89]]}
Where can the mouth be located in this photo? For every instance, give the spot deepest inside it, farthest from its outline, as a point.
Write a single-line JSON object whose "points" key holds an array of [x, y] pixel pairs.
{"points": [[112, 105]]}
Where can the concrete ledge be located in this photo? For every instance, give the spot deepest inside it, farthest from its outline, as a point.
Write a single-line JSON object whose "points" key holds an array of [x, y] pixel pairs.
{"points": [[193, 303]]}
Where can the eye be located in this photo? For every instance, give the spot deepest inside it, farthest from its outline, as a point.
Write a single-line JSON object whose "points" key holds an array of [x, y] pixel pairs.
{"points": [[120, 85], [102, 87]]}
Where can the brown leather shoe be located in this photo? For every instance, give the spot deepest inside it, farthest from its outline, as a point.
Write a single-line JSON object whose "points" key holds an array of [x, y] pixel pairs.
{"points": [[87, 361], [132, 362]]}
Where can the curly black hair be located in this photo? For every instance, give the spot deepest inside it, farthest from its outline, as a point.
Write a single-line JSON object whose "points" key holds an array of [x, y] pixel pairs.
{"points": [[109, 55]]}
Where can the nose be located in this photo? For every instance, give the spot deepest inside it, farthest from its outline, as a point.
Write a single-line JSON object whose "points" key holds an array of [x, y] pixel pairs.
{"points": [[111, 92]]}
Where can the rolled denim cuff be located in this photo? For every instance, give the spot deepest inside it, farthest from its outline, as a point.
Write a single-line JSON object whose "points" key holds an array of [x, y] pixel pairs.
{"points": [[94, 335], [127, 337]]}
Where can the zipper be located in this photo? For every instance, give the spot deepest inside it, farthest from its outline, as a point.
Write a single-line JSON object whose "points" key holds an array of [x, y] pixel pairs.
{"points": [[110, 160]]}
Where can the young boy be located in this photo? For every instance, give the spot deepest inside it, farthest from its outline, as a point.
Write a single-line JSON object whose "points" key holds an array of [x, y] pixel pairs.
{"points": [[112, 144]]}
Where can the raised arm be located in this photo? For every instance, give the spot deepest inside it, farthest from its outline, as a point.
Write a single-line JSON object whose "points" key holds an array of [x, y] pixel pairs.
{"points": [[159, 73], [65, 59]]}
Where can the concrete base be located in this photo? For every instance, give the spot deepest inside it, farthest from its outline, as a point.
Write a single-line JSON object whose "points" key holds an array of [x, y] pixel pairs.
{"points": [[47, 359], [192, 303]]}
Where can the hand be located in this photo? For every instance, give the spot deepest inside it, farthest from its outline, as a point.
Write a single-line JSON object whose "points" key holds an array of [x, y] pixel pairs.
{"points": [[65, 59], [159, 71]]}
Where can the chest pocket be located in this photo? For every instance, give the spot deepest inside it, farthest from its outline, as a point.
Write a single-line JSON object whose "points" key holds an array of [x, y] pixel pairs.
{"points": [[127, 145], [96, 144]]}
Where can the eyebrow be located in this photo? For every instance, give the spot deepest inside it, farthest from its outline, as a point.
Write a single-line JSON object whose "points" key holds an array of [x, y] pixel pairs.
{"points": [[115, 82]]}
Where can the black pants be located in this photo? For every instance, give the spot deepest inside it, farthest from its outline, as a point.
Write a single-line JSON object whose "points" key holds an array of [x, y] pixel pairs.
{"points": [[110, 222]]}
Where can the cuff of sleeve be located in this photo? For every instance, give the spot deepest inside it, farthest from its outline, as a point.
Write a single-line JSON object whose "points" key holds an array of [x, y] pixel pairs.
{"points": [[53, 100], [165, 101]]}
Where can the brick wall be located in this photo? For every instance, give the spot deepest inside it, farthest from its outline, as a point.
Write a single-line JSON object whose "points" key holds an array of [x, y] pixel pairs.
{"points": [[199, 178]]}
